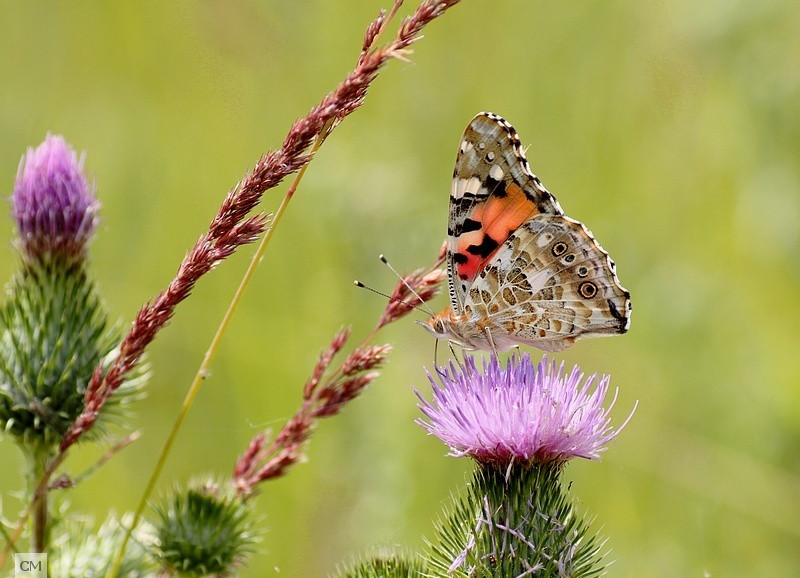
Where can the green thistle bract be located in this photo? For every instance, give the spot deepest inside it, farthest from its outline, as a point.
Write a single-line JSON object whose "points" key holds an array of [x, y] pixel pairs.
{"points": [[515, 522], [53, 333]]}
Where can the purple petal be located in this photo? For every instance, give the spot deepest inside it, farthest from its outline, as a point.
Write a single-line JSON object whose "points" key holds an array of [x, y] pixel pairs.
{"points": [[519, 412], [53, 205]]}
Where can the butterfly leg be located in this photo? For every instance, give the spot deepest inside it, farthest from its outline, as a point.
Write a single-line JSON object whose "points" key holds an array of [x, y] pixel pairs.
{"points": [[439, 369], [462, 361], [491, 341]]}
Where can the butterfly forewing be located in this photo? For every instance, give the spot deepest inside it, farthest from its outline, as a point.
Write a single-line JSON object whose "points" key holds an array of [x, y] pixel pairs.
{"points": [[493, 193]]}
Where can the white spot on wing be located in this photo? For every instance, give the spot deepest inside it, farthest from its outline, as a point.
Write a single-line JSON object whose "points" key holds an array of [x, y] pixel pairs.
{"points": [[496, 172], [462, 186], [538, 279]]}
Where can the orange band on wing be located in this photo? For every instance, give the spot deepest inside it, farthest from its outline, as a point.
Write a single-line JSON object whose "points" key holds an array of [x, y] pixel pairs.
{"points": [[501, 215]]}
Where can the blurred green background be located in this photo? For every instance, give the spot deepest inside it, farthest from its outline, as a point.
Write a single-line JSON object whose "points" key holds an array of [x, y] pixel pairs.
{"points": [[671, 129]]}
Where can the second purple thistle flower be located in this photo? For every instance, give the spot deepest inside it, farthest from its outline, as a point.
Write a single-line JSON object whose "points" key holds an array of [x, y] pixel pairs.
{"points": [[53, 205]]}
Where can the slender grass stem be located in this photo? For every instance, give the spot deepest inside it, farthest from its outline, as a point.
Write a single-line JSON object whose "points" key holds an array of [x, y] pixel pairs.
{"points": [[202, 370]]}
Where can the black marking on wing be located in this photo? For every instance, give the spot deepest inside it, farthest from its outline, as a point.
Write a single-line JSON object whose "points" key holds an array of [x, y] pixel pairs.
{"points": [[494, 187], [470, 225], [486, 248], [620, 316]]}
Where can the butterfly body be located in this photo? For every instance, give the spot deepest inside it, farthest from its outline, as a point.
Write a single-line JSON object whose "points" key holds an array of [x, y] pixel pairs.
{"points": [[519, 270]]}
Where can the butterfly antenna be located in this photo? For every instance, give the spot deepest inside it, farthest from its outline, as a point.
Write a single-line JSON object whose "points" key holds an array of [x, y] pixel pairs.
{"points": [[358, 283], [424, 305]]}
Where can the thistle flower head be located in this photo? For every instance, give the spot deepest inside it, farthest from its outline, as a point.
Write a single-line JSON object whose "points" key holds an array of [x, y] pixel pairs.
{"points": [[53, 205], [54, 329], [520, 413]]}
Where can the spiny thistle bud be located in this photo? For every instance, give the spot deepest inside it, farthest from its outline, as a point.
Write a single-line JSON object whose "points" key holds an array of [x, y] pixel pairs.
{"points": [[203, 530], [53, 333], [385, 565], [54, 208]]}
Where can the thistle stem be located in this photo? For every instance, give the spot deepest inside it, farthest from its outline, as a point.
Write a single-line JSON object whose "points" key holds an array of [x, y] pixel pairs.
{"points": [[38, 460], [37, 494]]}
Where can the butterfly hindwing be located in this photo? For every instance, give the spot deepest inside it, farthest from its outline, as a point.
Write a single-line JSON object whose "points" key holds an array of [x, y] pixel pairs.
{"points": [[549, 284]]}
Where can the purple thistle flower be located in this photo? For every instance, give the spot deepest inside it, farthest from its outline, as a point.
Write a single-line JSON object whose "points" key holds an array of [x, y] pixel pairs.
{"points": [[520, 413], [53, 205]]}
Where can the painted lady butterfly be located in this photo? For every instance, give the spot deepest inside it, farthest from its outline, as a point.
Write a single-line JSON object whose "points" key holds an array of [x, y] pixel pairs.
{"points": [[519, 269]]}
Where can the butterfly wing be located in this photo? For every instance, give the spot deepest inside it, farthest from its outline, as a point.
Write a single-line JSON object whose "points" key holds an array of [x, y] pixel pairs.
{"points": [[493, 193], [549, 284]]}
